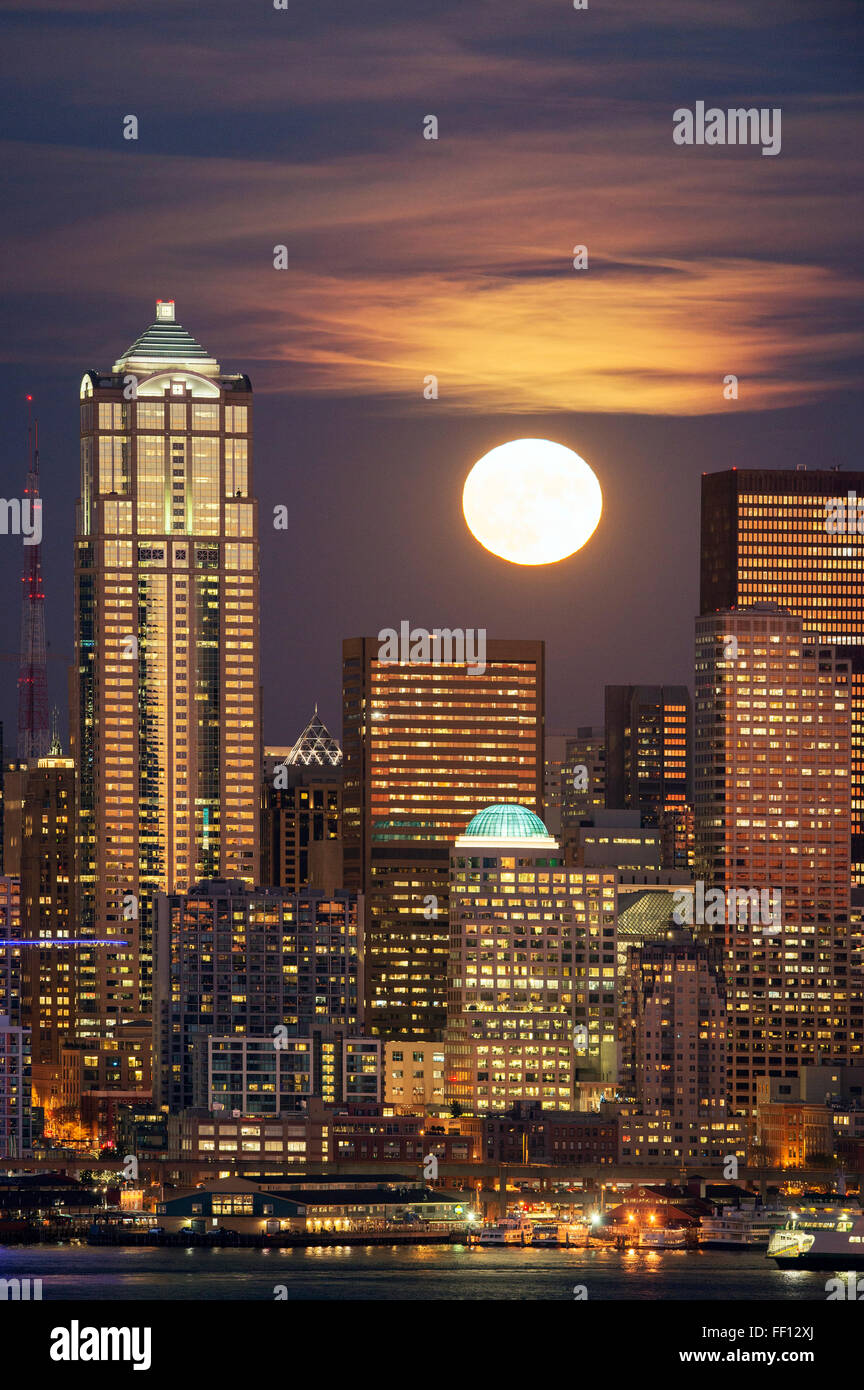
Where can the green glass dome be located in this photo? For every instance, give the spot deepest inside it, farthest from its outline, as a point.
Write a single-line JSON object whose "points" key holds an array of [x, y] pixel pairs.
{"points": [[505, 821]]}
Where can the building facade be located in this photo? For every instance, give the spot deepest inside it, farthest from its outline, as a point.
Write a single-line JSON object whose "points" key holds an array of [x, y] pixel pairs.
{"points": [[261, 963], [772, 801], [165, 689], [792, 537], [532, 992], [41, 850], [426, 745]]}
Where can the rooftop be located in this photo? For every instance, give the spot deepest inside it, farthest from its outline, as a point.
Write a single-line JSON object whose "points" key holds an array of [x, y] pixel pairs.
{"points": [[508, 823]]}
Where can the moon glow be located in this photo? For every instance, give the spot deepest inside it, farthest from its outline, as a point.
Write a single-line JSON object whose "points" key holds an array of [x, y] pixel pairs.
{"points": [[532, 502]]}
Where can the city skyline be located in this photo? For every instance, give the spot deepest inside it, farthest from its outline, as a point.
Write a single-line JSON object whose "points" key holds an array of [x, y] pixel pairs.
{"points": [[471, 237], [433, 493]]}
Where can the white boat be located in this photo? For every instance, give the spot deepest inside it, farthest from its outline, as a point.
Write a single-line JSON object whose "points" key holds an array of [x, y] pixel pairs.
{"points": [[554, 1233], [511, 1231], [740, 1228], [820, 1237], [663, 1238]]}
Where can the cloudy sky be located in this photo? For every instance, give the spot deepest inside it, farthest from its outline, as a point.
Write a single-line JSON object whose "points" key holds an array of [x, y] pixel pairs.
{"points": [[407, 257]]}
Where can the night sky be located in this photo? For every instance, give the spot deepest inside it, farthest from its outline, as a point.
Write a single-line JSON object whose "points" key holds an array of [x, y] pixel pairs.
{"points": [[410, 257]]}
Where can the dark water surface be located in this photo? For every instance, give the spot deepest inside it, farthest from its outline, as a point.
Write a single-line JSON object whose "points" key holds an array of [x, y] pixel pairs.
{"points": [[419, 1273]]}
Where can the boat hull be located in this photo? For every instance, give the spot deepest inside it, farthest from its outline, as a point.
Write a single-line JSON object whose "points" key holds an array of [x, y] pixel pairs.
{"points": [[837, 1263]]}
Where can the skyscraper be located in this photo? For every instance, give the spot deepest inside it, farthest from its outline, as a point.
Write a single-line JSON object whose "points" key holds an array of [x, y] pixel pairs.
{"points": [[772, 743], [165, 689], [426, 746], [774, 536], [647, 748]]}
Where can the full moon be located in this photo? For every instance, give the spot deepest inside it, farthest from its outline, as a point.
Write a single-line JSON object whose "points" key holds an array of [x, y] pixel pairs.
{"points": [[531, 501]]}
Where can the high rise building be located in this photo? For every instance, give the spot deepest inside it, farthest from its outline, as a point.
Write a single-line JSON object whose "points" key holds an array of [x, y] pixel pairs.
{"points": [[233, 961], [772, 758], [675, 1051], [583, 775], [301, 806], [426, 746], [532, 990], [165, 689], [648, 739], [780, 536], [41, 850]]}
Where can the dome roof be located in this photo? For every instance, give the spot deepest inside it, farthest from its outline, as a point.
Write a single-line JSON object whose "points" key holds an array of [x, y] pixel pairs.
{"points": [[506, 821]]}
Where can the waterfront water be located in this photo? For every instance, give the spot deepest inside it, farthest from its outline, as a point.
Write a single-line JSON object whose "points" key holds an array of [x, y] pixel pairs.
{"points": [[421, 1273]]}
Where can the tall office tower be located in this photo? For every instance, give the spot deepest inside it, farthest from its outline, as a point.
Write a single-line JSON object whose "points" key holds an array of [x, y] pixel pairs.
{"points": [[32, 674], [15, 1075], [426, 746], [532, 988], [772, 815], [648, 740], [41, 851], [583, 775], [301, 806], [165, 690], [235, 961], [795, 538], [675, 1050]]}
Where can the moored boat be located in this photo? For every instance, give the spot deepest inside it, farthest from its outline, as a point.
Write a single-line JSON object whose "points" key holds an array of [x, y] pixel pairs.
{"points": [[820, 1237]]}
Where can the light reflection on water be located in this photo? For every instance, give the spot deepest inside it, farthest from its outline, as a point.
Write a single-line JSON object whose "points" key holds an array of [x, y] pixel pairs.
{"points": [[423, 1272]]}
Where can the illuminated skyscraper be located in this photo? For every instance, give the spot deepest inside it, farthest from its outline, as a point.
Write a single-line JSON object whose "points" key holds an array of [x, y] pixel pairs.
{"points": [[165, 690], [532, 989], [426, 746], [772, 742], [647, 748], [766, 539]]}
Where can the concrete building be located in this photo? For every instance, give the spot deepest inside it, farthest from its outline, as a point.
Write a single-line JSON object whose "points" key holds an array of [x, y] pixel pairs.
{"points": [[675, 1052], [648, 743], [615, 840], [426, 744], [413, 1073], [532, 996]]}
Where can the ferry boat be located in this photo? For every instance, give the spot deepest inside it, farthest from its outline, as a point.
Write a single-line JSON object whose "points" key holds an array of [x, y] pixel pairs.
{"points": [[512, 1230], [823, 1237], [740, 1228], [663, 1238]]}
